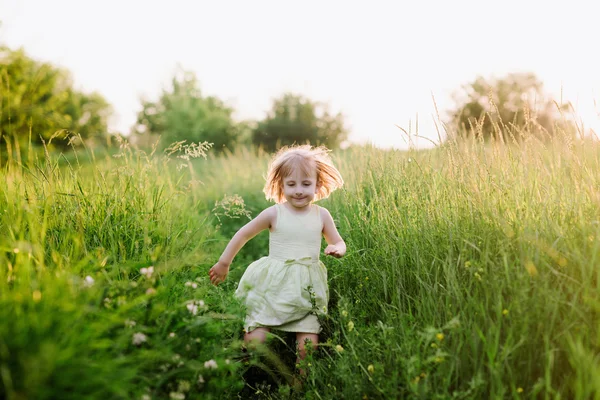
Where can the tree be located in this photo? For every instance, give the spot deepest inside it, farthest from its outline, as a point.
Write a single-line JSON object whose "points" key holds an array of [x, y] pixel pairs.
{"points": [[295, 119], [182, 113], [506, 109], [39, 98]]}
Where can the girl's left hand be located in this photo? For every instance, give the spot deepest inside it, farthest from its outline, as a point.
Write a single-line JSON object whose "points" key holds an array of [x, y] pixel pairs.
{"points": [[335, 251]]}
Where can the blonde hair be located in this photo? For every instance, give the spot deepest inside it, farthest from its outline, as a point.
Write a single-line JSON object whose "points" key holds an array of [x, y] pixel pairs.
{"points": [[308, 159]]}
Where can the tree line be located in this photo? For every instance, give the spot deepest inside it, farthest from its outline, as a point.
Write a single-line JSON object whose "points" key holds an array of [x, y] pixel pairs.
{"points": [[38, 103]]}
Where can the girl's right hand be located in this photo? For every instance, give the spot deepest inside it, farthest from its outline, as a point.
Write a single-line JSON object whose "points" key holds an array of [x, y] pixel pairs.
{"points": [[218, 272]]}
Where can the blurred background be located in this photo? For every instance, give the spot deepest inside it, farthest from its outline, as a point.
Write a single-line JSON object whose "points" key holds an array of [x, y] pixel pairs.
{"points": [[235, 72]]}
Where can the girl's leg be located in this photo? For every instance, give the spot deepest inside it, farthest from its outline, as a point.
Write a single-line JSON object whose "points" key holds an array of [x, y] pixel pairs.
{"points": [[303, 340], [257, 335]]}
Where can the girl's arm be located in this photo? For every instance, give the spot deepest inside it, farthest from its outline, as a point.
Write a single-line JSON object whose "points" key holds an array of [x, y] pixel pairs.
{"points": [[336, 245], [263, 221]]}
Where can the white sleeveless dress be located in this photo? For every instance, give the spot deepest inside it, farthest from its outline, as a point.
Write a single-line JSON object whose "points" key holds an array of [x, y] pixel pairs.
{"points": [[288, 288]]}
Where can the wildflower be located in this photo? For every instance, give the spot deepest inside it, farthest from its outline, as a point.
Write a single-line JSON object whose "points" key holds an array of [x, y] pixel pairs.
{"points": [[434, 345], [184, 386], [416, 379], [228, 361], [89, 281], [211, 364], [339, 348], [172, 334], [150, 291], [591, 238], [129, 323], [200, 379], [467, 264], [350, 326], [138, 338], [188, 283], [439, 336], [145, 397], [562, 262], [147, 272], [16, 250], [520, 390], [505, 312], [344, 313], [371, 368], [194, 285], [37, 296], [176, 396], [367, 278], [476, 275], [439, 360], [194, 305], [531, 269]]}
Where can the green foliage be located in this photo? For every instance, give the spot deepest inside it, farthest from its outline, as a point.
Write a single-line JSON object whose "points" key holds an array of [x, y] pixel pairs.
{"points": [[471, 273], [39, 99], [512, 108], [295, 119], [182, 113]]}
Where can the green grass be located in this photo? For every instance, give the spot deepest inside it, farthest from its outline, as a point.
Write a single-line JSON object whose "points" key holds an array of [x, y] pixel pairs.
{"points": [[471, 272]]}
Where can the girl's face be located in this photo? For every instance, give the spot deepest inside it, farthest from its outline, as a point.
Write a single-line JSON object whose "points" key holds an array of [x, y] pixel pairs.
{"points": [[299, 189]]}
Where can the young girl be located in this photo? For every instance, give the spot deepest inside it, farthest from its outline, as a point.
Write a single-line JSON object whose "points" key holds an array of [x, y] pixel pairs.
{"points": [[279, 290]]}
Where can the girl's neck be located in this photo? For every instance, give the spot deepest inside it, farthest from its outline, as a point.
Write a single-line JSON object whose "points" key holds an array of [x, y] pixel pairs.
{"points": [[304, 210]]}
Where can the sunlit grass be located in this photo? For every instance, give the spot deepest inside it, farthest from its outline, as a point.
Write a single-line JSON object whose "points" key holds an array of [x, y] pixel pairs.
{"points": [[472, 272]]}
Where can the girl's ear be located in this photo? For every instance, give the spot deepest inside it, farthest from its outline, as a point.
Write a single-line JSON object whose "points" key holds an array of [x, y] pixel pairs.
{"points": [[318, 186]]}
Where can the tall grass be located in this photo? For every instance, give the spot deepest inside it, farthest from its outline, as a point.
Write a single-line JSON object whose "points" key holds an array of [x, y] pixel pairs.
{"points": [[471, 273]]}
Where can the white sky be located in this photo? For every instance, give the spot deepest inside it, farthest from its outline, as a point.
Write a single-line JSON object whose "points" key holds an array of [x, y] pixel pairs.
{"points": [[378, 62]]}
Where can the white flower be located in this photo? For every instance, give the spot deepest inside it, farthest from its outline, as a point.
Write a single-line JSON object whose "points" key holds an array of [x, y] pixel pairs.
{"points": [[194, 305], [172, 334], [145, 397], [194, 285], [89, 281], [188, 283], [176, 396], [130, 323], [211, 364], [147, 272], [200, 379], [138, 338]]}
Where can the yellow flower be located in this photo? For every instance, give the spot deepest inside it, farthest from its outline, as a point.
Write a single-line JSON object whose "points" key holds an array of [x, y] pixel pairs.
{"points": [[476, 275], [367, 278], [434, 345], [467, 264], [344, 313], [520, 390], [350, 326], [440, 336], [339, 348], [531, 269], [562, 262], [37, 296], [505, 312], [371, 368]]}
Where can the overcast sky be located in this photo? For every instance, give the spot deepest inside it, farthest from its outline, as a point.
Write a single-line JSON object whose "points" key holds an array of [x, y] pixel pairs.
{"points": [[378, 62]]}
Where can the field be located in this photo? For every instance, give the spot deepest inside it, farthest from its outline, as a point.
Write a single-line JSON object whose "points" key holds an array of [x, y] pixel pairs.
{"points": [[471, 272]]}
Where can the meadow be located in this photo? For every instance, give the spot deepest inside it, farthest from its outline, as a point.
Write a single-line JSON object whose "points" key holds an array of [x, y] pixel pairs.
{"points": [[471, 272]]}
